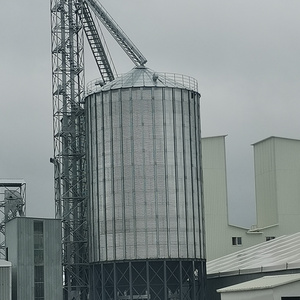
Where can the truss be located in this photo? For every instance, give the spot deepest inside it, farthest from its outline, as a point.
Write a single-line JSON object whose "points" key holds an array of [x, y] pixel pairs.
{"points": [[96, 44], [12, 204], [117, 33], [69, 143], [69, 19], [150, 279]]}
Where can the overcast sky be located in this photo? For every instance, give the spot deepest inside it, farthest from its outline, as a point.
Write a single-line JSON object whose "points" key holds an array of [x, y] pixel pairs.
{"points": [[245, 55]]}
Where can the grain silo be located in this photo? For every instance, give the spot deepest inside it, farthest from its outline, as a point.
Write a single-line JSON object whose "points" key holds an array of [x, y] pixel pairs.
{"points": [[146, 235]]}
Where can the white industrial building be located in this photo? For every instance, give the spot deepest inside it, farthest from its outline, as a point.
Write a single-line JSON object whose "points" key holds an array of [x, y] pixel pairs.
{"points": [[277, 190], [280, 256], [280, 287]]}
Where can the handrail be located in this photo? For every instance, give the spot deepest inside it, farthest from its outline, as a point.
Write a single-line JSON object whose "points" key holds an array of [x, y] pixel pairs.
{"points": [[167, 79]]}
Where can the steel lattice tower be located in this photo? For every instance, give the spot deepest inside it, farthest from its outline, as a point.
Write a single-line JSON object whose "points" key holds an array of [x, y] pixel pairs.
{"points": [[12, 204], [69, 143], [69, 19]]}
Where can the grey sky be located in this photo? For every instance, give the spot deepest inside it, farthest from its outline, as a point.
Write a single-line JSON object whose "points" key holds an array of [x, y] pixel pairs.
{"points": [[244, 54]]}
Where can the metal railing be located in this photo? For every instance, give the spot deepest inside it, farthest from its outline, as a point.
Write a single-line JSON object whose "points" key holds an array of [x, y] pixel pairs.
{"points": [[130, 80]]}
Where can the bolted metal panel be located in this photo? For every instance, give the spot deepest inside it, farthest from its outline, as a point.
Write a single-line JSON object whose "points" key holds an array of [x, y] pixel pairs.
{"points": [[144, 165]]}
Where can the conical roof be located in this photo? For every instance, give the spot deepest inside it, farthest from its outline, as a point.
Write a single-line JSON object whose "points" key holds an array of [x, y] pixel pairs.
{"points": [[145, 77]]}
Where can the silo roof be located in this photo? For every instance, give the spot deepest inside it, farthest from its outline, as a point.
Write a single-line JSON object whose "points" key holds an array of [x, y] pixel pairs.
{"points": [[281, 253], [144, 77]]}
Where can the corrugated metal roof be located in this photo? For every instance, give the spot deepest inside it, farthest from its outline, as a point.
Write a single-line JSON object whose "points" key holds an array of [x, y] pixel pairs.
{"points": [[266, 282], [144, 77], [278, 254], [4, 263]]}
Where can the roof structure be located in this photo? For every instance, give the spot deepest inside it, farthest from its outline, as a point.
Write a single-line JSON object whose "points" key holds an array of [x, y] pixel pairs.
{"points": [[4, 263], [281, 253], [266, 282], [144, 77], [275, 137], [11, 182]]}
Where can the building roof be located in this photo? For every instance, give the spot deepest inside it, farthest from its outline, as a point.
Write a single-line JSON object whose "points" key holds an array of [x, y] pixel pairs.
{"points": [[266, 282], [11, 182], [4, 263], [144, 77], [275, 137], [27, 218], [282, 253]]}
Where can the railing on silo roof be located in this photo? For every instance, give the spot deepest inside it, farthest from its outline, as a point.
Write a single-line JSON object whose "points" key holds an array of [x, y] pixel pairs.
{"points": [[130, 80]]}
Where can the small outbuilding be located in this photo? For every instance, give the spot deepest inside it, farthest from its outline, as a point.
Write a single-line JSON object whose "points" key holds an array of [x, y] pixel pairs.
{"points": [[280, 287]]}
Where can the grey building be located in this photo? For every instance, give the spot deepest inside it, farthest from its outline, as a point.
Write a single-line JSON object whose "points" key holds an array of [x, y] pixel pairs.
{"points": [[33, 246], [5, 280]]}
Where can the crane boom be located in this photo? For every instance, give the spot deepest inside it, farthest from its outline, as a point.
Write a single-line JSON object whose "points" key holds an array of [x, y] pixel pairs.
{"points": [[118, 34]]}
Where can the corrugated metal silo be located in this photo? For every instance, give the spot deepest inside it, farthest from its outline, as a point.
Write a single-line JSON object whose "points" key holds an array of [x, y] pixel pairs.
{"points": [[144, 166]]}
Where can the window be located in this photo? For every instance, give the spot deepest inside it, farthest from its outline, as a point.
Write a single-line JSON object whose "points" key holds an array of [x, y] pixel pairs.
{"points": [[290, 298], [38, 237], [269, 238], [236, 241]]}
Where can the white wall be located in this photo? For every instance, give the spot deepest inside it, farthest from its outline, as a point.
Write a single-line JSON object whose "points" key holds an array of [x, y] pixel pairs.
{"points": [[288, 290], [218, 232], [215, 195], [277, 177], [265, 183], [248, 295]]}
